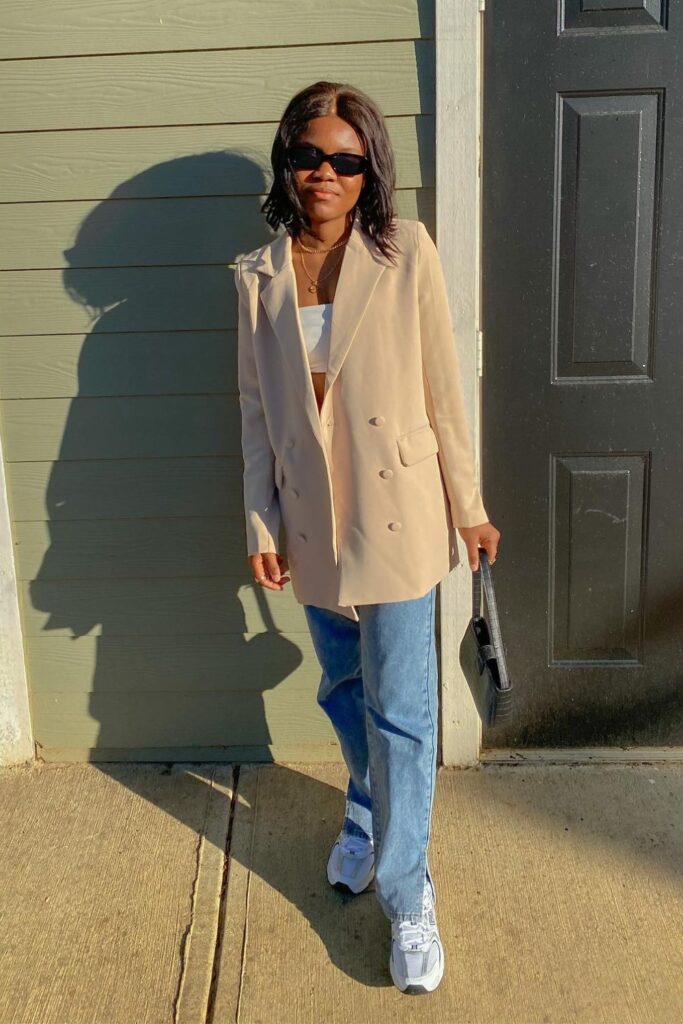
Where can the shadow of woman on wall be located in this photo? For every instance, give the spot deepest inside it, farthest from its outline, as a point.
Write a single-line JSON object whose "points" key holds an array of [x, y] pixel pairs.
{"points": [[146, 553]]}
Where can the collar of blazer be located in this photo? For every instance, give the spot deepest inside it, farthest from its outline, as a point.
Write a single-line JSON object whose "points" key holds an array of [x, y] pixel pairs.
{"points": [[362, 266]]}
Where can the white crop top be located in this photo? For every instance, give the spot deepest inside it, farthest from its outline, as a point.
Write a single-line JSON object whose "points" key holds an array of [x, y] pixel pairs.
{"points": [[316, 324]]}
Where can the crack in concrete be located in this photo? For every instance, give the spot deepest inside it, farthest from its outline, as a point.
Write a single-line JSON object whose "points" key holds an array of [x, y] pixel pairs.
{"points": [[245, 933], [184, 943], [220, 925]]}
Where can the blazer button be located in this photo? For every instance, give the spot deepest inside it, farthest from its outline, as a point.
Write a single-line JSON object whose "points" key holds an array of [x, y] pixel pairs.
{"points": [[394, 526], [289, 443], [377, 421], [386, 473], [302, 536]]}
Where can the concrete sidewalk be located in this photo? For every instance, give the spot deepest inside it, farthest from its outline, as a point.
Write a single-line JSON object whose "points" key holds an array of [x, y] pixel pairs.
{"points": [[559, 897]]}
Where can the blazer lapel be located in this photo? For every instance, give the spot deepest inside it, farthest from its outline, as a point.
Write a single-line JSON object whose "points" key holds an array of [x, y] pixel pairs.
{"points": [[362, 266]]}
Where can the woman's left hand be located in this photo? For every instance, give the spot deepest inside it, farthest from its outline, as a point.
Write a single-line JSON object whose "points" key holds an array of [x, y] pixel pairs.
{"points": [[484, 536]]}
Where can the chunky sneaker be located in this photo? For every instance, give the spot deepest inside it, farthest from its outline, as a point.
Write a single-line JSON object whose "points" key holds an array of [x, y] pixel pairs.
{"points": [[351, 865], [417, 960]]}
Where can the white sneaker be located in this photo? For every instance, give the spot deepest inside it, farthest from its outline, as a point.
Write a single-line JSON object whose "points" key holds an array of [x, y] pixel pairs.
{"points": [[417, 958], [351, 864]]}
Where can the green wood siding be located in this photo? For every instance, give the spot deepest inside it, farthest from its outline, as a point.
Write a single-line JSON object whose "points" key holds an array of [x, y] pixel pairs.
{"points": [[133, 160]]}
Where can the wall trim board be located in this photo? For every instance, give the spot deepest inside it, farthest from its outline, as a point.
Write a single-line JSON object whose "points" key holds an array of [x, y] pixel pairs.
{"points": [[16, 738], [458, 102]]}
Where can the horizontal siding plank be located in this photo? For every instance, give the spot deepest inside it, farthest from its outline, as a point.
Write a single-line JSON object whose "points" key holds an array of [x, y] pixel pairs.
{"points": [[62, 27], [138, 232], [128, 232], [182, 719], [185, 160], [155, 363], [207, 87], [159, 607], [129, 548], [280, 753], [116, 299], [121, 428], [203, 663], [124, 299], [126, 489]]}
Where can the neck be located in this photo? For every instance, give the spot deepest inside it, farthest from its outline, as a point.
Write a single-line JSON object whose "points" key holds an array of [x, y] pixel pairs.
{"points": [[322, 234]]}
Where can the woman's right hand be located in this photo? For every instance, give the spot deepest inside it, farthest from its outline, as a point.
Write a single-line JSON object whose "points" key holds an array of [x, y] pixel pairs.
{"points": [[271, 566]]}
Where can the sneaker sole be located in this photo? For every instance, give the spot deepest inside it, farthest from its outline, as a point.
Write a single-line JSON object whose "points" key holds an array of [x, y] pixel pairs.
{"points": [[428, 984], [343, 887]]}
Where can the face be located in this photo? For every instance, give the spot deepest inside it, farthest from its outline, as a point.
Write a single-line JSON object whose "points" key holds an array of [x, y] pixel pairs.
{"points": [[333, 135]]}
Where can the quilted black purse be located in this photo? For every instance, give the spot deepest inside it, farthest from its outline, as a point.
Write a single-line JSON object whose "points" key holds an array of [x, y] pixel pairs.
{"points": [[482, 656]]}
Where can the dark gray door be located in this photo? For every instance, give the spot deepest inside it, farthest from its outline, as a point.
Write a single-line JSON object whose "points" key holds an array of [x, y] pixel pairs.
{"points": [[582, 177]]}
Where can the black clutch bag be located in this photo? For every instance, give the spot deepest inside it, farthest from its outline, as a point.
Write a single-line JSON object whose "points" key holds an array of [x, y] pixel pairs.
{"points": [[482, 656]]}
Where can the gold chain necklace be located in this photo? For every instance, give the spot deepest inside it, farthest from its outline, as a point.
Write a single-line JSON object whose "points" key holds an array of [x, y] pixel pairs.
{"points": [[313, 286], [315, 281], [335, 246]]}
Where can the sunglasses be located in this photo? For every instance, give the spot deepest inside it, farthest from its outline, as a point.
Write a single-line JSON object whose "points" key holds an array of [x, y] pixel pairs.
{"points": [[309, 158]]}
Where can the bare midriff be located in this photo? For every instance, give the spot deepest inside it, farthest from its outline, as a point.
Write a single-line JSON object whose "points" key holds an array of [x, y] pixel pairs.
{"points": [[319, 387]]}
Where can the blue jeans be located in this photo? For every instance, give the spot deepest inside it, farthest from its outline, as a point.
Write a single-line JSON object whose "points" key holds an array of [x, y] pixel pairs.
{"points": [[379, 687]]}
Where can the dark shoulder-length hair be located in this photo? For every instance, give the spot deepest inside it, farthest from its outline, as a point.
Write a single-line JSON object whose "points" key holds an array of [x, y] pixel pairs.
{"points": [[376, 201]]}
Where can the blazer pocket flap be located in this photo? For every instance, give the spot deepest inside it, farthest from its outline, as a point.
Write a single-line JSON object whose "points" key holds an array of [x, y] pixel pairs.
{"points": [[417, 444]]}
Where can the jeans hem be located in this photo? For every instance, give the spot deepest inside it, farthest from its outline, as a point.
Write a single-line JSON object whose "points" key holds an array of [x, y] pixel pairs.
{"points": [[397, 918], [350, 828]]}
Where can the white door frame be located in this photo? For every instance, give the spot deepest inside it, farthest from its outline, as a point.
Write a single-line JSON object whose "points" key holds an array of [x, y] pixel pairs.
{"points": [[16, 737], [457, 33]]}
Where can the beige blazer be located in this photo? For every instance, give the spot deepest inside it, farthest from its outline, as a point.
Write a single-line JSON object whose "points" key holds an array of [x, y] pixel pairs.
{"points": [[369, 491]]}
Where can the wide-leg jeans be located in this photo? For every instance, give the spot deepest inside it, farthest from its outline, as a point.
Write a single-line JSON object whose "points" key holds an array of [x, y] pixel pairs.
{"points": [[379, 688]]}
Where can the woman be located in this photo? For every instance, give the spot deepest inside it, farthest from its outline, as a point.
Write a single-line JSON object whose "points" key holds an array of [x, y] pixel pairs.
{"points": [[354, 437]]}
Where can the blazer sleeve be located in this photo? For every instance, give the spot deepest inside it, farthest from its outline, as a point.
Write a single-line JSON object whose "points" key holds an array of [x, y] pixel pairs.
{"points": [[261, 499], [443, 387]]}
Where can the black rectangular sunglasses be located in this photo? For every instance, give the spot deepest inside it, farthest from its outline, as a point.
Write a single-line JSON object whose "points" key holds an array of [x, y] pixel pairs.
{"points": [[309, 158]]}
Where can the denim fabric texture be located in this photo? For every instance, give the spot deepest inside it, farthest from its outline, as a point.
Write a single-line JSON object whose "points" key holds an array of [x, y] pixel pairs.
{"points": [[379, 688]]}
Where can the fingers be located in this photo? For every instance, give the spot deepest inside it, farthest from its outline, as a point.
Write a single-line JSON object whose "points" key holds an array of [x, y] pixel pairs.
{"points": [[491, 549], [487, 539], [473, 554], [269, 570]]}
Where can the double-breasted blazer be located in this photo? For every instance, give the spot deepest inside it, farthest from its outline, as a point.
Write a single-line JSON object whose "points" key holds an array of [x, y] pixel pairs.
{"points": [[370, 489]]}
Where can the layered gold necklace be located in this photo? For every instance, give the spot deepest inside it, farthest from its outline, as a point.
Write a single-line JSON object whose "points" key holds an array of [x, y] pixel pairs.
{"points": [[315, 281]]}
